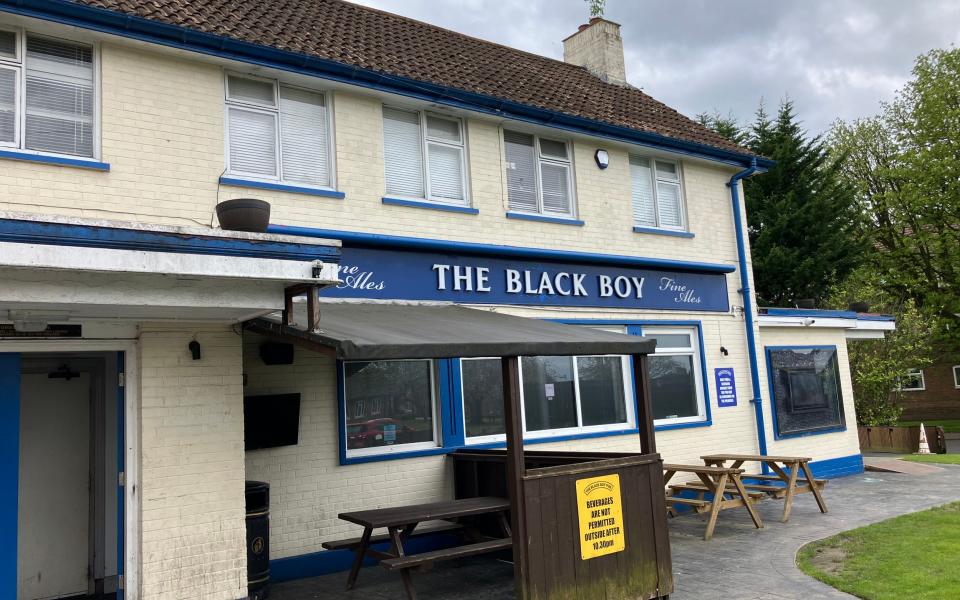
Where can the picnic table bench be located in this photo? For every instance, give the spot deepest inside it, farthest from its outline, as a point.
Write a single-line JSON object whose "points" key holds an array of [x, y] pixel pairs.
{"points": [[784, 484], [722, 483], [401, 521]]}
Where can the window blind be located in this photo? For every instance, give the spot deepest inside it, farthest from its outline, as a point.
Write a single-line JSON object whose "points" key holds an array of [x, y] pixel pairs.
{"points": [[253, 142], [8, 44], [668, 195], [403, 153], [555, 179], [641, 191], [59, 97], [251, 91], [446, 172], [303, 137], [8, 105], [521, 171]]}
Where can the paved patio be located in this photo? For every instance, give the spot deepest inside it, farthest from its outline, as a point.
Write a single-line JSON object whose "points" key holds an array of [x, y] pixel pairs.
{"points": [[739, 562]]}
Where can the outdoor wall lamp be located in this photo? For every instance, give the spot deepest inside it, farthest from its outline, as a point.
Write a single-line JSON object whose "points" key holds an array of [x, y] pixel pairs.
{"points": [[194, 347], [602, 157]]}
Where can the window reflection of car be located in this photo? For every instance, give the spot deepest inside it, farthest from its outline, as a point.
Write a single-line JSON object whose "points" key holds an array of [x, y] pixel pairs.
{"points": [[375, 432]]}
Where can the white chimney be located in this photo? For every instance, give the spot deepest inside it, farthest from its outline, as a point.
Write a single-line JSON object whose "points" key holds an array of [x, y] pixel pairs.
{"points": [[597, 46]]}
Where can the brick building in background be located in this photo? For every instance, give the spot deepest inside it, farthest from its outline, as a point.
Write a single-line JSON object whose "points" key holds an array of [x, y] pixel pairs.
{"points": [[433, 167], [932, 393]]}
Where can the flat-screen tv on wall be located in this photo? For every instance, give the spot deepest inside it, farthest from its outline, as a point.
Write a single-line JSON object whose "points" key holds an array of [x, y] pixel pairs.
{"points": [[271, 420]]}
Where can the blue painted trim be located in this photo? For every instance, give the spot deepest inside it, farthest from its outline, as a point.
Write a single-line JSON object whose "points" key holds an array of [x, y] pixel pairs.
{"points": [[281, 187], [92, 236], [377, 240], [707, 423], [430, 205], [544, 219], [837, 467], [326, 562], [826, 314], [341, 414], [9, 470], [746, 294], [658, 231], [117, 23], [457, 432], [773, 404], [60, 161], [121, 459]]}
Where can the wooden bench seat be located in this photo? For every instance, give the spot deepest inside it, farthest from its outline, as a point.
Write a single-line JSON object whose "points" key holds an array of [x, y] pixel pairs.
{"points": [[778, 478], [699, 487], [354, 543], [687, 501], [425, 558]]}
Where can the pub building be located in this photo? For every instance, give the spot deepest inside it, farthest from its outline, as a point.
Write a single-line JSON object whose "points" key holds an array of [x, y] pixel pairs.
{"points": [[485, 273]]}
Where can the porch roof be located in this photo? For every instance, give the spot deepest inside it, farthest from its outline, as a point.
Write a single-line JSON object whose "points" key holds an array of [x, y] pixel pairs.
{"points": [[383, 331]]}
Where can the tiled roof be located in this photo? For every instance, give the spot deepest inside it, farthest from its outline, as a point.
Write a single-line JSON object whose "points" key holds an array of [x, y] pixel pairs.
{"points": [[383, 42]]}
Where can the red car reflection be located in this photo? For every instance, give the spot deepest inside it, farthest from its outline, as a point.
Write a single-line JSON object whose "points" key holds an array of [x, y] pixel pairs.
{"points": [[375, 432]]}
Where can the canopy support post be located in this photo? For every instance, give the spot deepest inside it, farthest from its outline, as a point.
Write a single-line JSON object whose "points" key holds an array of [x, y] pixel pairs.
{"points": [[516, 469], [641, 387], [312, 292]]}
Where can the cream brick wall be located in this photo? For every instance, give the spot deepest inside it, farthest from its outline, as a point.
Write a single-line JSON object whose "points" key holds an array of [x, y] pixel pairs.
{"points": [[193, 529], [818, 447]]}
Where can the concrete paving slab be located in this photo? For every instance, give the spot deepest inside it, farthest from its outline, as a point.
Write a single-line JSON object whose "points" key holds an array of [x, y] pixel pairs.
{"points": [[895, 465]]}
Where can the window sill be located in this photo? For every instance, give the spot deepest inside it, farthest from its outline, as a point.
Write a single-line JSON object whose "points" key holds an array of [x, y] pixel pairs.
{"points": [[659, 231], [356, 460], [787, 436], [49, 159], [282, 187], [544, 219], [556, 438], [670, 426], [430, 205]]}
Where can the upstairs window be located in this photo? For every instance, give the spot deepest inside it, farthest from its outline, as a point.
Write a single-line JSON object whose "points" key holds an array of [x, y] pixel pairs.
{"points": [[46, 95], [657, 194], [277, 132], [408, 137], [538, 175], [913, 381], [956, 376]]}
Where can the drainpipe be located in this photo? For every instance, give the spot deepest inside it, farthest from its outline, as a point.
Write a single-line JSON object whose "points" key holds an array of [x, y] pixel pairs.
{"points": [[748, 302]]}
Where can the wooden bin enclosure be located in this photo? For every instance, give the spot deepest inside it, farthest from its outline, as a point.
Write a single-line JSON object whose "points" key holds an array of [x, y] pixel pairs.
{"points": [[556, 568], [902, 440]]}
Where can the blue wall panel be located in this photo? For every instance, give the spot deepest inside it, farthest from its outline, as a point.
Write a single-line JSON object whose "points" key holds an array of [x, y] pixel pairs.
{"points": [[9, 470]]}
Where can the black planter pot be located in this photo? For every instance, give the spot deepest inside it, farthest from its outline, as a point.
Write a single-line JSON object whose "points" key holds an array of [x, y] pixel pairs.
{"points": [[244, 214], [860, 307]]}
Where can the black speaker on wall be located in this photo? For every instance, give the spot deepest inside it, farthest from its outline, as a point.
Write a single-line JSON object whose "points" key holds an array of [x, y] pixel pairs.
{"points": [[275, 353]]}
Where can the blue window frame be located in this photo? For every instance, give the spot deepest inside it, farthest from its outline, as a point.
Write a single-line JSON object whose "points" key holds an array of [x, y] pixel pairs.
{"points": [[805, 390]]}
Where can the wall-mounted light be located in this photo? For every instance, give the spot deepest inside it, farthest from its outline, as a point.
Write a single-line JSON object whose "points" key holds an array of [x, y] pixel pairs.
{"points": [[724, 351], [194, 347], [602, 157]]}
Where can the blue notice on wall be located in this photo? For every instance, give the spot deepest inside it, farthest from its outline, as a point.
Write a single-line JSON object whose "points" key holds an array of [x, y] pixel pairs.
{"points": [[726, 387]]}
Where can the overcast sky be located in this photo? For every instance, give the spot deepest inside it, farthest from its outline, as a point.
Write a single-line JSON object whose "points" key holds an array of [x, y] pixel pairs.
{"points": [[833, 58]]}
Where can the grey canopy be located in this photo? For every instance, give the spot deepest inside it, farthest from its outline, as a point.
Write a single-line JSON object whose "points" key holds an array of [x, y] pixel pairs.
{"points": [[375, 331]]}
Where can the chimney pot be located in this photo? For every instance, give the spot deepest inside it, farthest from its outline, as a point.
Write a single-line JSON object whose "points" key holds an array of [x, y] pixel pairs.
{"points": [[597, 46]]}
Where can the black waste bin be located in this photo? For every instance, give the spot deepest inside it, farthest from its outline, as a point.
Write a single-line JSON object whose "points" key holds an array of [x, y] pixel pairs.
{"points": [[258, 539]]}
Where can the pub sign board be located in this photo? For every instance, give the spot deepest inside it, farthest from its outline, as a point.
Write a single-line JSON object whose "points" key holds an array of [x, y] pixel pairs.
{"points": [[410, 275], [600, 513]]}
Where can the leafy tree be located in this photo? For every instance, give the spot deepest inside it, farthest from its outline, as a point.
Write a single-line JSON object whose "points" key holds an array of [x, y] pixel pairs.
{"points": [[727, 126], [802, 215], [876, 366]]}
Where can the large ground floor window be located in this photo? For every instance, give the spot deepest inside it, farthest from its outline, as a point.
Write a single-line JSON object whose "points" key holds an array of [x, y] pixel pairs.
{"points": [[389, 406], [560, 395], [676, 375], [805, 387]]}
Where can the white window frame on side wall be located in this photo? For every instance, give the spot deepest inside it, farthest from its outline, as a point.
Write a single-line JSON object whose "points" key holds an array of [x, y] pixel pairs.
{"points": [[956, 376], [425, 141], [655, 178], [396, 449], [918, 373], [693, 350], [539, 160], [275, 111], [19, 65]]}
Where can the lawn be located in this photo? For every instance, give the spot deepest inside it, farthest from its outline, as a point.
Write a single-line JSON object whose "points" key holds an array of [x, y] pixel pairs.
{"points": [[912, 556], [939, 459], [949, 425]]}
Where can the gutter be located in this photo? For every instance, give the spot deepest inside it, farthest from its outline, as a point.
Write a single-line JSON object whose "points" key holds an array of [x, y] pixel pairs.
{"points": [[745, 290]]}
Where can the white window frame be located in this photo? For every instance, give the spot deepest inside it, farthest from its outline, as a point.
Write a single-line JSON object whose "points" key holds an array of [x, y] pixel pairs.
{"points": [[693, 350], [540, 158], [395, 448], [956, 376], [275, 112], [425, 141], [910, 374], [579, 429], [18, 64], [654, 179]]}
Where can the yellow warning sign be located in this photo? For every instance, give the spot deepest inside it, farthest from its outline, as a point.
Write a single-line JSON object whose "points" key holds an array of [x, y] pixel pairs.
{"points": [[601, 516]]}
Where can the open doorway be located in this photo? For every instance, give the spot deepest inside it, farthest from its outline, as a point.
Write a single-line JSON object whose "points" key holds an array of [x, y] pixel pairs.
{"points": [[67, 542]]}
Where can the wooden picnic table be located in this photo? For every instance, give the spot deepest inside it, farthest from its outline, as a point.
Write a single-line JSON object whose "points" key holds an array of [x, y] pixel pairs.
{"points": [[785, 483], [722, 483], [400, 522]]}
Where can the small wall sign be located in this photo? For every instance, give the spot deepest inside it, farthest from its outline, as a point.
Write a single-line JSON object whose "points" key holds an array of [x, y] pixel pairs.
{"points": [[601, 516], [726, 387]]}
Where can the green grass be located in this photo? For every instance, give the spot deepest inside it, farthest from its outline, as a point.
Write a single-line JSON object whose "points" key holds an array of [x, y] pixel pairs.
{"points": [[949, 425], [939, 459], [913, 556]]}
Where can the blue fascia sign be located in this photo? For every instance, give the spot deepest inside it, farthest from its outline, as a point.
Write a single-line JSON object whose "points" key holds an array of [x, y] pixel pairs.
{"points": [[726, 387], [373, 273]]}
